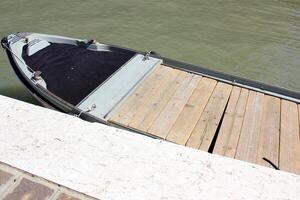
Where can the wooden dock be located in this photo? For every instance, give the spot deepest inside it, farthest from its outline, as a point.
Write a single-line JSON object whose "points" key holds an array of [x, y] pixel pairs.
{"points": [[213, 116]]}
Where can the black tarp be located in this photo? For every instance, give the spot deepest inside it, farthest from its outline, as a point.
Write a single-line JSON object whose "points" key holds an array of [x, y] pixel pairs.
{"points": [[72, 72]]}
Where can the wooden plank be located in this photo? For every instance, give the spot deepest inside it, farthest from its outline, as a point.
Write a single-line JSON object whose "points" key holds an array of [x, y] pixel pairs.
{"points": [[124, 113], [230, 130], [203, 133], [249, 139], [169, 114], [289, 158], [299, 118], [111, 92], [160, 102], [269, 132], [237, 125], [191, 112], [159, 87], [227, 124]]}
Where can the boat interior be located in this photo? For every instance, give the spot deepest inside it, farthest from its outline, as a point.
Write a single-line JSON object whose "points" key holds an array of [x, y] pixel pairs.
{"points": [[72, 72], [141, 93]]}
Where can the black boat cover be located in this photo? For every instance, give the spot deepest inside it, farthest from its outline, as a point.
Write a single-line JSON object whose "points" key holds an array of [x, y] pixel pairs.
{"points": [[72, 72]]}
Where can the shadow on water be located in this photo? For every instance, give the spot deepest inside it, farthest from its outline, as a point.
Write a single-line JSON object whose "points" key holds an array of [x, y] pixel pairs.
{"points": [[18, 92]]}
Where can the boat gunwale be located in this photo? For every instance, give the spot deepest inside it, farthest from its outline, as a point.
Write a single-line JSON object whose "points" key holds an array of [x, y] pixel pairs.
{"points": [[49, 98], [61, 105], [233, 80], [255, 85]]}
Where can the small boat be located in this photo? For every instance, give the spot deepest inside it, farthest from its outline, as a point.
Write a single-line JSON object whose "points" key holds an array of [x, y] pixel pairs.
{"points": [[157, 96]]}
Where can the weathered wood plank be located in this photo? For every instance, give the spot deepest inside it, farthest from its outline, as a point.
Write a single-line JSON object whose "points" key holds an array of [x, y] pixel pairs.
{"points": [[158, 88], [125, 112], [169, 114], [289, 158], [299, 118], [269, 132], [249, 137], [203, 133], [158, 104], [191, 112], [186, 109], [226, 127], [230, 130]]}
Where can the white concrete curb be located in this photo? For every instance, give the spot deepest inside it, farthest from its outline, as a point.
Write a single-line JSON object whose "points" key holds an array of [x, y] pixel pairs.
{"points": [[110, 163]]}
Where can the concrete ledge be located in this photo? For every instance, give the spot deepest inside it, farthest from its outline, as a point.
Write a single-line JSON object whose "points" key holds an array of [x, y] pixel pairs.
{"points": [[109, 163]]}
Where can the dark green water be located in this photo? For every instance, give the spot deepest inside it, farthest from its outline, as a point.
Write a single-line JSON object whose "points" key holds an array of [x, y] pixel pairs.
{"points": [[257, 39]]}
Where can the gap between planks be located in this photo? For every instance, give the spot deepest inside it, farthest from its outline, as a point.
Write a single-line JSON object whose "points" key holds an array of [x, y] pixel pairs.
{"points": [[185, 123], [229, 133], [126, 111], [173, 108], [158, 104], [205, 129], [186, 109]]}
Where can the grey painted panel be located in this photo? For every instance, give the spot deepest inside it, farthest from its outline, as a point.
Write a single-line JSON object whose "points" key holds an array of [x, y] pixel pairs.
{"points": [[36, 45], [109, 94]]}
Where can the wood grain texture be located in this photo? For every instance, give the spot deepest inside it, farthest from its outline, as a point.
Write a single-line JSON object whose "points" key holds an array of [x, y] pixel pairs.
{"points": [[203, 133], [289, 158], [157, 79], [158, 88], [123, 114], [269, 132], [230, 130], [249, 139], [191, 112], [299, 118], [173, 108], [159, 103], [187, 109]]}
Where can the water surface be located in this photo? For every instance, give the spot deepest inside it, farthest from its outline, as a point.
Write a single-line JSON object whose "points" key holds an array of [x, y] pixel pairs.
{"points": [[258, 39]]}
